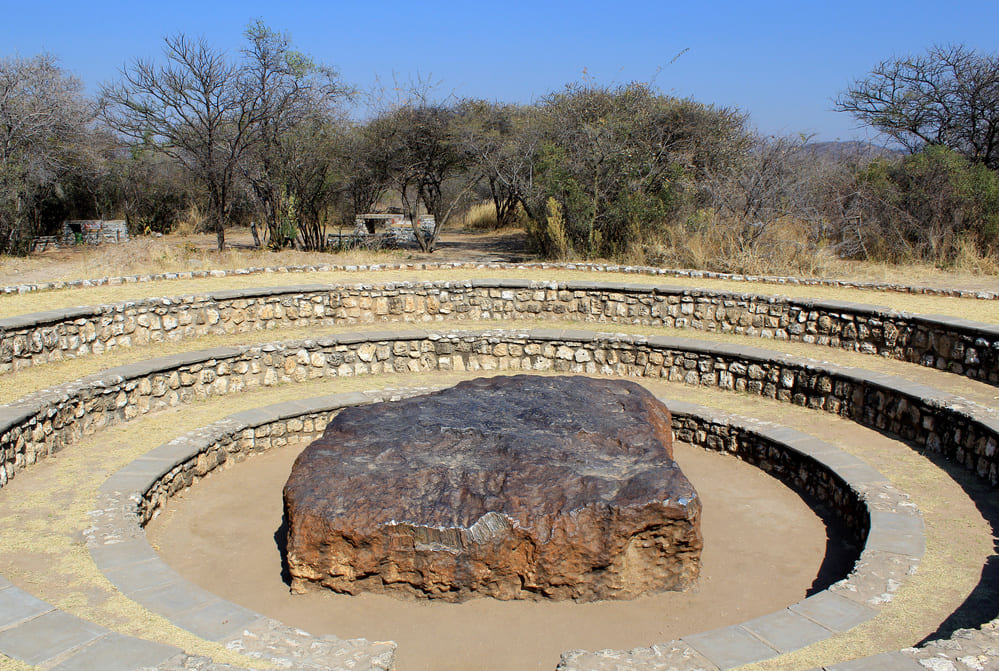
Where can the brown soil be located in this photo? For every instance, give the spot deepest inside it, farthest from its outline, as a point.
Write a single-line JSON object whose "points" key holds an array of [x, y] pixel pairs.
{"points": [[763, 549]]}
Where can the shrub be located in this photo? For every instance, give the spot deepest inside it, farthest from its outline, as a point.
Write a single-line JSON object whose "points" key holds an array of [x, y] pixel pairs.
{"points": [[932, 206]]}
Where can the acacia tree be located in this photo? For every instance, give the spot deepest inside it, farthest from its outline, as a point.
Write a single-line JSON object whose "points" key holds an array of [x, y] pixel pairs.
{"points": [[427, 162], [503, 141], [43, 120], [292, 93], [195, 108], [948, 96]]}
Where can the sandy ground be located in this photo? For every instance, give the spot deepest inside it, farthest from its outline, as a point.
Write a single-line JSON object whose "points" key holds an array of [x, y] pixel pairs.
{"points": [[200, 252], [763, 549], [177, 252]]}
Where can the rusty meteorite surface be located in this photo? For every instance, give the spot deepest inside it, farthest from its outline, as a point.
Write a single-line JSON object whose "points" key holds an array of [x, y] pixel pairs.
{"points": [[521, 487]]}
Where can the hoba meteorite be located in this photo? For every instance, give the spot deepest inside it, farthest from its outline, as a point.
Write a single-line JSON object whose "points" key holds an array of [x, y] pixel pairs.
{"points": [[523, 487]]}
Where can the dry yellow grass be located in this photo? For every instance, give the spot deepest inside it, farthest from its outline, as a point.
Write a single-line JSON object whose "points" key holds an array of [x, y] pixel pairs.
{"points": [[15, 304], [481, 216], [8, 664]]}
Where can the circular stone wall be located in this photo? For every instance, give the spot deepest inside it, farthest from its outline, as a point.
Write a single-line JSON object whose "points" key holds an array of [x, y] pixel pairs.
{"points": [[43, 429]]}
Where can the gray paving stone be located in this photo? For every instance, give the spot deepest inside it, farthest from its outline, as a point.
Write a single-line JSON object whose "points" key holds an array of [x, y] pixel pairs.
{"points": [[217, 620], [175, 598], [680, 408], [125, 481], [545, 334], [141, 575], [251, 418], [353, 398], [18, 413], [409, 334], [783, 434], [198, 356], [116, 652], [817, 449], [894, 532], [911, 525], [668, 289], [113, 555], [583, 285], [730, 647], [833, 611], [579, 335], [16, 606], [786, 630], [151, 468], [861, 474], [174, 452], [903, 544], [47, 636], [354, 338], [47, 317], [510, 283]]}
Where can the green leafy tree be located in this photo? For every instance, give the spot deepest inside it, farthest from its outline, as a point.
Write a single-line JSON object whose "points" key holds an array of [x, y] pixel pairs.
{"points": [[625, 162], [926, 207]]}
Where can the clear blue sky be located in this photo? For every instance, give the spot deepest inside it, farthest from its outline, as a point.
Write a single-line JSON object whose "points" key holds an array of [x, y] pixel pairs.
{"points": [[783, 62]]}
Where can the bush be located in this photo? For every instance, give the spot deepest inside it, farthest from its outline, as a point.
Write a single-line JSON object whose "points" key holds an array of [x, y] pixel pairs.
{"points": [[624, 165], [932, 206]]}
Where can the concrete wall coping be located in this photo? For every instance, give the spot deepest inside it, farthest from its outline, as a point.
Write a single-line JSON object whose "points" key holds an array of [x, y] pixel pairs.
{"points": [[815, 618], [938, 406]]}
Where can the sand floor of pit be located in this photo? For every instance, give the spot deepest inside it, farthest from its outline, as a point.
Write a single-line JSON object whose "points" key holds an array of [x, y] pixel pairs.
{"points": [[763, 550]]}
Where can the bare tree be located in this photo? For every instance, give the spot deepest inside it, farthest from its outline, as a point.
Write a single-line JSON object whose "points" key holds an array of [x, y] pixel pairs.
{"points": [[948, 96], [427, 162], [291, 91], [774, 181], [43, 118], [364, 170], [196, 108], [503, 140]]}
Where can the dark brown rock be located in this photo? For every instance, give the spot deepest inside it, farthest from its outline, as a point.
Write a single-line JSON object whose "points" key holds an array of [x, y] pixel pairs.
{"points": [[511, 487]]}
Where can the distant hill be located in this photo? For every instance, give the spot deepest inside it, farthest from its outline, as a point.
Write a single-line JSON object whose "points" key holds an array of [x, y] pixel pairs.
{"points": [[851, 150]]}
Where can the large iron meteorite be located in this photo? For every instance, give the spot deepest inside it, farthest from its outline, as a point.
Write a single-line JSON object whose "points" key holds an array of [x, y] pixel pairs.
{"points": [[519, 487]]}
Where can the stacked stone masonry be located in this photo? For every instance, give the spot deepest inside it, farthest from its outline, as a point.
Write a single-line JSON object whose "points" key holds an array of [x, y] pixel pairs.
{"points": [[46, 421], [649, 271], [946, 343], [871, 508]]}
